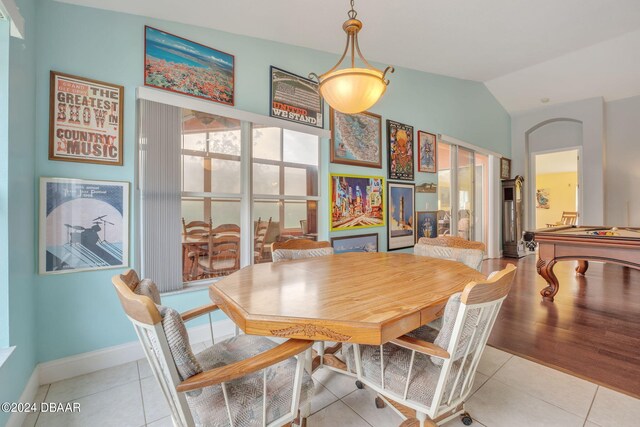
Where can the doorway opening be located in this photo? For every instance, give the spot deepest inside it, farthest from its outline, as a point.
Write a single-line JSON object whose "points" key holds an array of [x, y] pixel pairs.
{"points": [[557, 197]]}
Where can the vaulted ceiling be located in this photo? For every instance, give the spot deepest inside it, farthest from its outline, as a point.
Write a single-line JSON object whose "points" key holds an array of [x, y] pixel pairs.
{"points": [[523, 50]]}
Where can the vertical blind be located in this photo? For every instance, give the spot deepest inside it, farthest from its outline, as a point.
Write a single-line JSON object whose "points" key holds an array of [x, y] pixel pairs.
{"points": [[160, 191]]}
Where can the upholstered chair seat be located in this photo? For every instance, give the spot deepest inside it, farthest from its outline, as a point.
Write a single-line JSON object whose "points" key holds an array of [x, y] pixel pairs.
{"points": [[241, 381], [245, 394], [429, 370]]}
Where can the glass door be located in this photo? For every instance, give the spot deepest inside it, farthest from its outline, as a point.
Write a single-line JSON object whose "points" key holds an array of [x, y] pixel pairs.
{"points": [[463, 196], [444, 188], [466, 177]]}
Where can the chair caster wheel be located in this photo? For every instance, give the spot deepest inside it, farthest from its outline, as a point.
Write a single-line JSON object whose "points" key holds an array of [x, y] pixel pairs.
{"points": [[466, 419], [380, 403], [359, 384]]}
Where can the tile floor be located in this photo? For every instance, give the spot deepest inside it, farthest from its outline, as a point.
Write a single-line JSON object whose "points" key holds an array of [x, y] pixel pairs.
{"points": [[509, 391]]}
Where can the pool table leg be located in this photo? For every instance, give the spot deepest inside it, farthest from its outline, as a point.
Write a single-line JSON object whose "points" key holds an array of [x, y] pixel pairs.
{"points": [[545, 269], [582, 267]]}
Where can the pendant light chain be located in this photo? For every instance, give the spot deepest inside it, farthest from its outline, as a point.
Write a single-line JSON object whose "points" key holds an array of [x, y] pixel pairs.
{"points": [[352, 13]]}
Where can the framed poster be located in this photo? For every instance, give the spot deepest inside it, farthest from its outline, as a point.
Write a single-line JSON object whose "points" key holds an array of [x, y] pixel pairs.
{"points": [[400, 150], [427, 146], [359, 243], [84, 225], [401, 225], [356, 201], [505, 168], [356, 139], [295, 98], [426, 224], [180, 65], [85, 120]]}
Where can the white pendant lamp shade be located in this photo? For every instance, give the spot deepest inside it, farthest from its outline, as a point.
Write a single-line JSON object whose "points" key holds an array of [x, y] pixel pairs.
{"points": [[353, 90]]}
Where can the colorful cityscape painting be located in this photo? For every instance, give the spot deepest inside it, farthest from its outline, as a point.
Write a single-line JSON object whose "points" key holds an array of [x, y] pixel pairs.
{"points": [[179, 65], [356, 202]]}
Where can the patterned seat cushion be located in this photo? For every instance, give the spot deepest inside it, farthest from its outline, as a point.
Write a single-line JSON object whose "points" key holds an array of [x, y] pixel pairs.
{"points": [[469, 257], [289, 254], [245, 394], [424, 374]]}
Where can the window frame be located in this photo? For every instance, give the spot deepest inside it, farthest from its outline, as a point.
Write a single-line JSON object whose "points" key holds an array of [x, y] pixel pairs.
{"points": [[246, 196]]}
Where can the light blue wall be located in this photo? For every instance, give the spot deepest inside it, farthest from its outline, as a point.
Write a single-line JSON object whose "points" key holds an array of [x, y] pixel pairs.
{"points": [[4, 183], [79, 312], [19, 149]]}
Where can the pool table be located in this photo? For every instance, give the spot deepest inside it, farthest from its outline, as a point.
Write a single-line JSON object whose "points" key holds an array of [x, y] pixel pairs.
{"points": [[619, 245]]}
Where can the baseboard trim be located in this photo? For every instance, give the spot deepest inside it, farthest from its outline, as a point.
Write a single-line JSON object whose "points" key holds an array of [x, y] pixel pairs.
{"points": [[84, 363], [16, 419]]}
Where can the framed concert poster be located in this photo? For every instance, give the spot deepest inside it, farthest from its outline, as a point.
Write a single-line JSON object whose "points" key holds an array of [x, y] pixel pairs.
{"points": [[400, 216], [356, 202], [296, 99], [84, 225], [85, 120], [180, 65], [400, 150], [356, 139], [427, 160], [358, 243], [426, 224]]}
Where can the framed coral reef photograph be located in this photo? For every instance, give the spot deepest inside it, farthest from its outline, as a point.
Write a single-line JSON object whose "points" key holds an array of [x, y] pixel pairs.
{"points": [[179, 65]]}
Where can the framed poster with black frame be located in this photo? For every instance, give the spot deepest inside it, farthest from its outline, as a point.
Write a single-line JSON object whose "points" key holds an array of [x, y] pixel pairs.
{"points": [[357, 243], [295, 98], [400, 215], [400, 151]]}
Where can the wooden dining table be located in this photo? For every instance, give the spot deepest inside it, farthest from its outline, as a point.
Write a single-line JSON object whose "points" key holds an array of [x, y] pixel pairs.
{"points": [[364, 298]]}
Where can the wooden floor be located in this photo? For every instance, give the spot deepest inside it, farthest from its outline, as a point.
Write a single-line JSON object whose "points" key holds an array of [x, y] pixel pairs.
{"points": [[592, 330]]}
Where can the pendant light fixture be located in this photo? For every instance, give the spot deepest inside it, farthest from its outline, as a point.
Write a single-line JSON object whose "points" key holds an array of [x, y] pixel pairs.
{"points": [[352, 90]]}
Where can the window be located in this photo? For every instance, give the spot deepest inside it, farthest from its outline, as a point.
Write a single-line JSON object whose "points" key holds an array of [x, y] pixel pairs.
{"points": [[285, 187], [214, 197], [463, 182], [210, 157]]}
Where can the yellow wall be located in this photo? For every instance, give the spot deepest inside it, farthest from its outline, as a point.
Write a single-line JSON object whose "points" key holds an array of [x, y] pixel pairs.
{"points": [[562, 196]]}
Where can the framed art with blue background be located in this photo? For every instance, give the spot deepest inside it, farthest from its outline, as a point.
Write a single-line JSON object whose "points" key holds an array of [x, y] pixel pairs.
{"points": [[426, 224], [400, 216], [84, 225]]}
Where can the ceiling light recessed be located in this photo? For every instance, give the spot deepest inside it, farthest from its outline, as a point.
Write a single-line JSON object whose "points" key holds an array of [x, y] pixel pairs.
{"points": [[544, 100]]}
